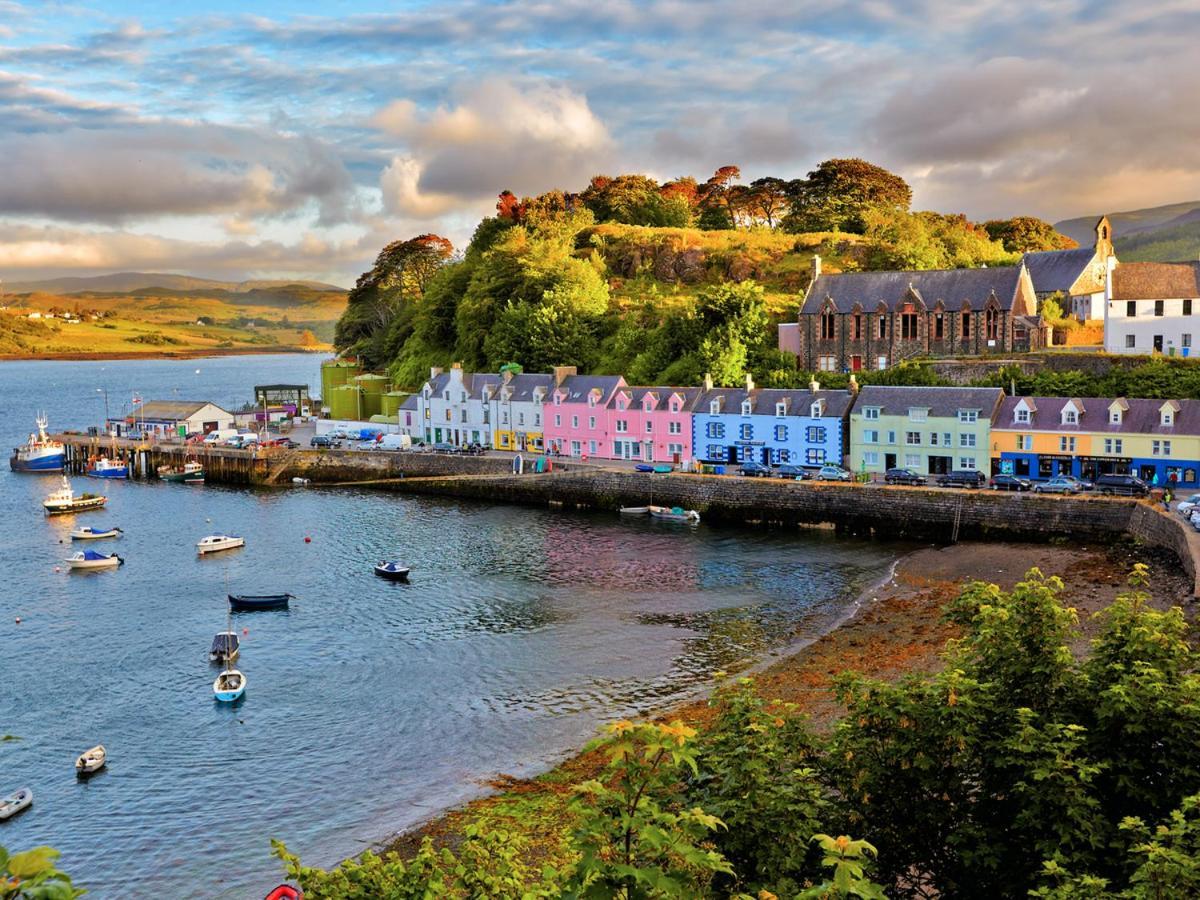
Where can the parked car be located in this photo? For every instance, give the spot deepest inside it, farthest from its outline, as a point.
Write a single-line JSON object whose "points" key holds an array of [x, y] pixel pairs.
{"points": [[964, 478], [1057, 485], [1188, 504], [903, 476], [1079, 482], [832, 473], [445, 447], [753, 469], [1128, 485], [787, 470], [1003, 482], [321, 440]]}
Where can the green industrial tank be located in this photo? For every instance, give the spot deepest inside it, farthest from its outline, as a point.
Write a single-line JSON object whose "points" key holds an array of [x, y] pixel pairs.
{"points": [[345, 402], [391, 402], [372, 387], [334, 374]]}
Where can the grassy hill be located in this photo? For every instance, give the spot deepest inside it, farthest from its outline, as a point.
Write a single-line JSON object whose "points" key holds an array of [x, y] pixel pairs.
{"points": [[1154, 234], [127, 282]]}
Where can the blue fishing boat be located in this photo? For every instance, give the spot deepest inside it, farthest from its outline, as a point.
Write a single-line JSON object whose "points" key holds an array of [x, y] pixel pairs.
{"points": [[107, 468], [39, 453]]}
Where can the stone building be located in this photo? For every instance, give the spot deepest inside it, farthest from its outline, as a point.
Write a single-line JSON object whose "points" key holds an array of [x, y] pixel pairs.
{"points": [[874, 320], [1078, 275]]}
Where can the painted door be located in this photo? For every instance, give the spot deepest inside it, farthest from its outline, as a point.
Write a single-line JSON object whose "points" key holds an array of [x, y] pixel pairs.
{"points": [[855, 363], [1158, 343]]}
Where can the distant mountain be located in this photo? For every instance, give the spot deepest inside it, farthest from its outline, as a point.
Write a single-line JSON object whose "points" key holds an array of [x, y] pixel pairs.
{"points": [[128, 282], [1157, 234]]}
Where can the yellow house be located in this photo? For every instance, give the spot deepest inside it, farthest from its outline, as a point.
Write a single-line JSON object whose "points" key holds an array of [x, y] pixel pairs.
{"points": [[1040, 437]]}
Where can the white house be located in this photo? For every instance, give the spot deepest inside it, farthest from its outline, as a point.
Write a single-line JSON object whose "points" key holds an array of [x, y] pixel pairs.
{"points": [[515, 407], [1152, 308], [451, 410]]}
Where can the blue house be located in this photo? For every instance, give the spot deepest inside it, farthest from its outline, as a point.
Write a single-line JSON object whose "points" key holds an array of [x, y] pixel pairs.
{"points": [[804, 428]]}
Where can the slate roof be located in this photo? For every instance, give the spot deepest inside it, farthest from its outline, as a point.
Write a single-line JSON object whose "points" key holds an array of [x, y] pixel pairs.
{"points": [[1156, 281], [171, 410], [577, 387], [664, 394], [1057, 270], [409, 402], [1141, 416], [940, 401], [763, 400], [523, 386], [953, 287]]}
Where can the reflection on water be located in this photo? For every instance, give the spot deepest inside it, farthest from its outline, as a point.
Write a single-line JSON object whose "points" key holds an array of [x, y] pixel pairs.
{"points": [[521, 631]]}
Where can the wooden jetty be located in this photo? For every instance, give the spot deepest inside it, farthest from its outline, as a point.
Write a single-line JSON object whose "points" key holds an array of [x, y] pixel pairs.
{"points": [[225, 465]]}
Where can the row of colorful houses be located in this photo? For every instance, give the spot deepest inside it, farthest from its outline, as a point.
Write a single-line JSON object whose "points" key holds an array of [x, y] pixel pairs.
{"points": [[931, 430]]}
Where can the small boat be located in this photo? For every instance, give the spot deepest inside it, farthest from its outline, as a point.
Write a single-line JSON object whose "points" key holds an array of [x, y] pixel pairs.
{"points": [[285, 892], [251, 602], [225, 647], [190, 472], [663, 469], [90, 559], [297, 480], [643, 467], [674, 514], [634, 510], [107, 468], [229, 686], [91, 761], [39, 454], [88, 533], [18, 801], [214, 543], [392, 571], [64, 501]]}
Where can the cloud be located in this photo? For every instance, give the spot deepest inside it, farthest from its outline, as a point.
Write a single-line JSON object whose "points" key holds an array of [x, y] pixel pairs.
{"points": [[527, 138]]}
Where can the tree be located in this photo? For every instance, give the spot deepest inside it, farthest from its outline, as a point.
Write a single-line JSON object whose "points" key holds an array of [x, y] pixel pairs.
{"points": [[718, 204], [896, 239], [1025, 234], [839, 192], [308, 339], [768, 200]]}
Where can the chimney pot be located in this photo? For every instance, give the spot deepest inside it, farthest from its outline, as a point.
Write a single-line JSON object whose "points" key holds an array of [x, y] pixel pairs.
{"points": [[816, 267], [434, 372], [749, 382], [708, 383], [853, 385], [814, 385]]}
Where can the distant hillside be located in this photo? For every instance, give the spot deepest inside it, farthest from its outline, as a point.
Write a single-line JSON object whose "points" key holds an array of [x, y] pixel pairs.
{"points": [[129, 282], [1156, 234]]}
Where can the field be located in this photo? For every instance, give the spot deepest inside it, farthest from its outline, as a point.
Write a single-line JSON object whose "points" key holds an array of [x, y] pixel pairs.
{"points": [[165, 322]]}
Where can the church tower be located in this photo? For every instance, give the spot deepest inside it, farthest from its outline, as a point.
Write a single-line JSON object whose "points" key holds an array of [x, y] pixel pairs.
{"points": [[1104, 247]]}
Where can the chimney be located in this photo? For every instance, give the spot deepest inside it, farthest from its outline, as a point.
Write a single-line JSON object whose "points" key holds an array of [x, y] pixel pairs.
{"points": [[434, 372], [456, 365], [852, 387], [506, 375], [816, 267], [814, 385], [749, 382], [708, 385], [561, 373]]}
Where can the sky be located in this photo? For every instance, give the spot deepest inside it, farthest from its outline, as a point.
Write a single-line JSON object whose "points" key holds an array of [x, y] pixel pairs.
{"points": [[281, 143]]}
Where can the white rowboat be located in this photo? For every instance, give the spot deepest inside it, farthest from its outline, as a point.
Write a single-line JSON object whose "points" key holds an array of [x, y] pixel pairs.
{"points": [[634, 510], [90, 559], [16, 802], [87, 533], [214, 543], [91, 761]]}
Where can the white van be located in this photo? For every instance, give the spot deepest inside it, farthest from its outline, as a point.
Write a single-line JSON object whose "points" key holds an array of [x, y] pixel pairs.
{"points": [[394, 442], [219, 435]]}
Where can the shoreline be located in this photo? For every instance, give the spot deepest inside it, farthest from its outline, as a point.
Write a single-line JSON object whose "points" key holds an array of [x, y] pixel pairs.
{"points": [[892, 628], [196, 353]]}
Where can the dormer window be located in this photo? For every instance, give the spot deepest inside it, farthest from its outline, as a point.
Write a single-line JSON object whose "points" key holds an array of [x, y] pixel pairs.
{"points": [[674, 407], [1115, 417], [558, 399], [1070, 417], [592, 400], [917, 414], [1168, 417], [818, 409], [446, 396], [714, 407], [1021, 414], [781, 409], [621, 404], [968, 416], [745, 407]]}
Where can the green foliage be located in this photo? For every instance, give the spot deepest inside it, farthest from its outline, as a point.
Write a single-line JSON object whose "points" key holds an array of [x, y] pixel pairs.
{"points": [[32, 875], [849, 860], [1158, 378], [633, 839], [1051, 310], [1026, 234], [839, 193], [897, 239]]}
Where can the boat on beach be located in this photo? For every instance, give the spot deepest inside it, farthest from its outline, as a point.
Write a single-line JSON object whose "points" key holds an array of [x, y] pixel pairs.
{"points": [[88, 533], [39, 454], [90, 559], [91, 761], [106, 468], [191, 472], [392, 571], [215, 543], [64, 500], [674, 514], [16, 802], [252, 602]]}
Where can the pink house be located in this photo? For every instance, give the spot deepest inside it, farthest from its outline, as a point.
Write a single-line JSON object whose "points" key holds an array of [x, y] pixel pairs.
{"points": [[577, 416], [652, 424]]}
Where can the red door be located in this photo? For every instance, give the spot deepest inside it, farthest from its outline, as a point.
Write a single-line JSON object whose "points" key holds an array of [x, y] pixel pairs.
{"points": [[856, 364]]}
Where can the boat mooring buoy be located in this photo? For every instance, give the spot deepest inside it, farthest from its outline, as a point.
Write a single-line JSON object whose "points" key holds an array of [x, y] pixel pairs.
{"points": [[18, 620], [307, 539]]}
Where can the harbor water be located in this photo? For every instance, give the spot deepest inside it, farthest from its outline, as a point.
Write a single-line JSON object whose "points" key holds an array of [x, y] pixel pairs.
{"points": [[370, 705]]}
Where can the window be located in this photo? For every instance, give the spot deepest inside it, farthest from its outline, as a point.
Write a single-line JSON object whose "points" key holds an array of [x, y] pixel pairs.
{"points": [[675, 449], [574, 421], [856, 330], [1187, 306], [746, 407], [464, 397], [882, 331], [591, 448], [870, 437], [621, 404], [827, 363], [817, 409], [939, 326], [558, 421], [966, 326], [714, 452], [577, 447], [558, 399], [649, 428], [715, 430], [1070, 417], [946, 442], [674, 428], [1066, 444], [1112, 445], [912, 460], [1168, 417], [462, 415], [1024, 441], [814, 434], [1130, 341], [446, 396], [908, 326], [871, 412], [674, 406], [537, 418], [966, 440], [503, 417], [933, 439], [1131, 309], [1185, 340], [781, 409], [1158, 307], [1115, 417], [1022, 415], [591, 423], [912, 438], [714, 407], [891, 437], [781, 433], [871, 458], [520, 418], [966, 462], [746, 432], [968, 416], [1160, 448], [992, 321], [881, 363], [828, 325], [622, 426], [591, 399], [917, 415], [815, 456]]}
